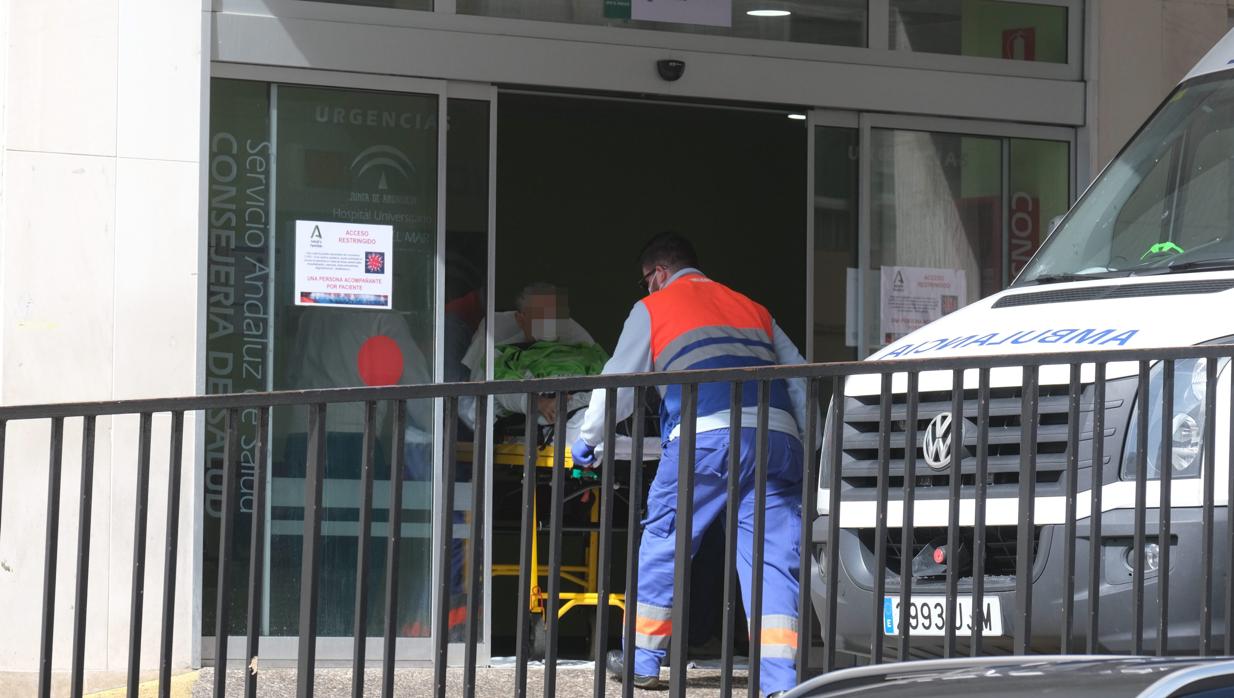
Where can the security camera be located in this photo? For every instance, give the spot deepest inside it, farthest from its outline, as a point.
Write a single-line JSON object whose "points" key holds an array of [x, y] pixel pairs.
{"points": [[670, 70]]}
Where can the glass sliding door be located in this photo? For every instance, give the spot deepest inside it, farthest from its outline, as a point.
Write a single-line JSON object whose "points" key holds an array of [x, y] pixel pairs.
{"points": [[306, 183], [935, 223], [953, 216], [369, 159]]}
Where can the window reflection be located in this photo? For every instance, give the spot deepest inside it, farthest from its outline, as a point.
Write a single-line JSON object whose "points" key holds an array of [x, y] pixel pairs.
{"points": [[943, 224], [936, 221], [983, 28]]}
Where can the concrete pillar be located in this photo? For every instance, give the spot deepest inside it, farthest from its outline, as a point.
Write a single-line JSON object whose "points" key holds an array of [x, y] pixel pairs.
{"points": [[1144, 47], [100, 254]]}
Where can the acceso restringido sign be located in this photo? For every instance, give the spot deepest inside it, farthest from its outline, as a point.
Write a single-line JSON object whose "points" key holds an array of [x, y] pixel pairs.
{"points": [[346, 265]]}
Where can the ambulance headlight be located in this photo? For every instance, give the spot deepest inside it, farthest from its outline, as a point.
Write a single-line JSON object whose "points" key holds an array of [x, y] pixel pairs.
{"points": [[1186, 422]]}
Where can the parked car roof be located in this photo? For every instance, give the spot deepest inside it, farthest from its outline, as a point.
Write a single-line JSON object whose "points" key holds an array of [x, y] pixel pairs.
{"points": [[1031, 677]]}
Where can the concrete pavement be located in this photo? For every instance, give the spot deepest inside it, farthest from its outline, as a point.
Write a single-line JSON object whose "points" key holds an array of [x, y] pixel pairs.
{"points": [[573, 679]]}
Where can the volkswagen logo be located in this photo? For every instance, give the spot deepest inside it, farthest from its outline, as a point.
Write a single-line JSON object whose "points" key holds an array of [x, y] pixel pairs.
{"points": [[936, 442]]}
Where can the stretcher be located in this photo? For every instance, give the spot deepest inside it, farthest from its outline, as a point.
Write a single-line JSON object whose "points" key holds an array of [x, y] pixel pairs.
{"points": [[584, 578]]}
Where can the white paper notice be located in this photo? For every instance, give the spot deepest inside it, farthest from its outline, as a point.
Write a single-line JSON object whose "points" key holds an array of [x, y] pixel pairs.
{"points": [[715, 13], [913, 297], [346, 265]]}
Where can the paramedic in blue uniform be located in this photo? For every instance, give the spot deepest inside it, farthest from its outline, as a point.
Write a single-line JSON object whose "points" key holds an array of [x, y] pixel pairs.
{"points": [[688, 321]]}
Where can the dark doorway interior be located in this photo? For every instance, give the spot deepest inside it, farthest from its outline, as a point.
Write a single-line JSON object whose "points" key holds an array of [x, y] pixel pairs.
{"points": [[582, 183]]}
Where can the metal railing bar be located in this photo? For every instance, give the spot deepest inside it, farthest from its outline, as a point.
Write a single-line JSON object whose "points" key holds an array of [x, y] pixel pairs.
{"points": [[832, 571], [952, 559], [50, 550], [81, 598], [394, 540], [880, 519], [475, 578], [1093, 637], [979, 508], [684, 524], [49, 555], [731, 510], [257, 551], [526, 575], [809, 494], [1166, 475], [632, 541], [1032, 406], [311, 547], [175, 459], [363, 537], [762, 438], [604, 562], [577, 384], [1141, 496], [906, 525], [231, 463], [553, 607], [1207, 523], [140, 520], [442, 574], [1024, 533], [1072, 476]]}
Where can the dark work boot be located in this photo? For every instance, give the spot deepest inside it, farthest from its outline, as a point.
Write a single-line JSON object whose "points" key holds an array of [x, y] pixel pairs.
{"points": [[615, 661]]}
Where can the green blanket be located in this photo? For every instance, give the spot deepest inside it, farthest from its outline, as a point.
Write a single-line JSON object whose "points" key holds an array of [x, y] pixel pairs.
{"points": [[548, 359]]}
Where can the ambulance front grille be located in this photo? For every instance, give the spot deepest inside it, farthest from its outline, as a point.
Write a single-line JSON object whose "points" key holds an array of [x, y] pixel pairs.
{"points": [[862, 432]]}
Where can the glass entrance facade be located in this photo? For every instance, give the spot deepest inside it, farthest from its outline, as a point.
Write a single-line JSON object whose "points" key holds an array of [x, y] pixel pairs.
{"points": [[887, 196], [284, 159]]}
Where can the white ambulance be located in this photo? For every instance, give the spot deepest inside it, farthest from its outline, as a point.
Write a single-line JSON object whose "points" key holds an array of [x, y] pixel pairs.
{"points": [[1145, 259]]}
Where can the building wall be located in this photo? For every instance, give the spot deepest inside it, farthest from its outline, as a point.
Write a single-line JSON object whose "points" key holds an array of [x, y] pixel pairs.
{"points": [[101, 248], [1143, 48]]}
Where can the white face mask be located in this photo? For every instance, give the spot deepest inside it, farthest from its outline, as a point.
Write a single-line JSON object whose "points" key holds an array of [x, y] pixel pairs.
{"points": [[544, 330]]}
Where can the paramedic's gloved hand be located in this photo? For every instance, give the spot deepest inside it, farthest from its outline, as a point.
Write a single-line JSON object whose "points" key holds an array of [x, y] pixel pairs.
{"points": [[582, 452]]}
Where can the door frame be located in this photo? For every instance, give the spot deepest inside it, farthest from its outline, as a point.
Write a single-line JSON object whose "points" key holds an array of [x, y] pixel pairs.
{"points": [[478, 92], [815, 118]]}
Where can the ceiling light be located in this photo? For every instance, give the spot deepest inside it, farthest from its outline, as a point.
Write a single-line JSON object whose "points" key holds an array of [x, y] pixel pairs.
{"points": [[768, 13], [797, 117]]}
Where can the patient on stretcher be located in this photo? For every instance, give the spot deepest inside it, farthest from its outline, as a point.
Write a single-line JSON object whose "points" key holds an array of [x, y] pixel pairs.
{"points": [[537, 340]]}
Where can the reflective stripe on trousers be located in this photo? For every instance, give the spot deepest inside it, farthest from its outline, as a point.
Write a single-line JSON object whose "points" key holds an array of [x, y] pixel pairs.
{"points": [[779, 637], [653, 626]]}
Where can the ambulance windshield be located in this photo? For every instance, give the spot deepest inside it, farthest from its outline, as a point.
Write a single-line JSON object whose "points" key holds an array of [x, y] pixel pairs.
{"points": [[1164, 205]]}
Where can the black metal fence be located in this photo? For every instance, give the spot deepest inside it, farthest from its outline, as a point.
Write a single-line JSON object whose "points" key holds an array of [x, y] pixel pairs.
{"points": [[1020, 440]]}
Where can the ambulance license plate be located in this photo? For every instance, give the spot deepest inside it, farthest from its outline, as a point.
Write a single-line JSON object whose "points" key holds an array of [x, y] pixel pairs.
{"points": [[927, 616]]}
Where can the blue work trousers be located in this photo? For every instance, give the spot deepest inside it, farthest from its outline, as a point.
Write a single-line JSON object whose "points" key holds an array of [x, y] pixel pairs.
{"points": [[781, 560]]}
